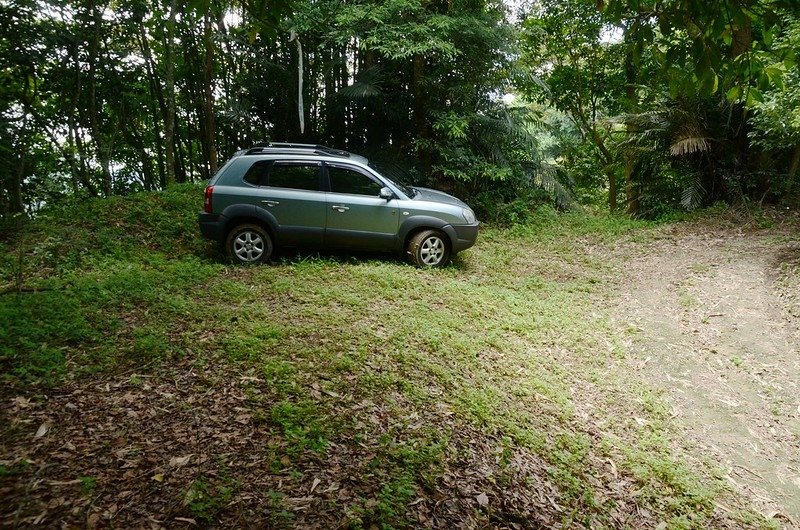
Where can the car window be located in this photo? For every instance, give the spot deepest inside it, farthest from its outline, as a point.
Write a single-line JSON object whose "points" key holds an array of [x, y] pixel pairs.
{"points": [[345, 180], [257, 174], [295, 176]]}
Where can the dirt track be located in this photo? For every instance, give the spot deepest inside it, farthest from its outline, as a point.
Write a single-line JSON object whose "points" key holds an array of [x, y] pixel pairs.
{"points": [[714, 316]]}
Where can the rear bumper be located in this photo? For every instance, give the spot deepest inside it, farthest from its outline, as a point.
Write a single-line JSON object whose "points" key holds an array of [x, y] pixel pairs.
{"points": [[463, 236], [212, 225]]}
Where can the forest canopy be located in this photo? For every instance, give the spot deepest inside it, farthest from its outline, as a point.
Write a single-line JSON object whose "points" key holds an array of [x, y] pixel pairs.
{"points": [[642, 106]]}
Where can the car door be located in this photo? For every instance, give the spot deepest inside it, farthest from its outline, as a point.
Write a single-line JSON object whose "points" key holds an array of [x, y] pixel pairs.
{"points": [[357, 217], [290, 193]]}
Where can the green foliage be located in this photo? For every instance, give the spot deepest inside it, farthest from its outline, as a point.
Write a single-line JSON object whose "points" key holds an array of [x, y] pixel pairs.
{"points": [[207, 497], [705, 47], [776, 117], [658, 98], [415, 83], [400, 29], [302, 425], [86, 269], [88, 485], [38, 331], [500, 209], [776, 123]]}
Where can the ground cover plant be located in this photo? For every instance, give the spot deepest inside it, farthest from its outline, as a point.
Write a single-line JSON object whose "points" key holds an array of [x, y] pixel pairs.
{"points": [[148, 382]]}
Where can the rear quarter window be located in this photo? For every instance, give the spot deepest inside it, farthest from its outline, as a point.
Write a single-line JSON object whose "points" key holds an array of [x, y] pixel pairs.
{"points": [[294, 176], [257, 174]]}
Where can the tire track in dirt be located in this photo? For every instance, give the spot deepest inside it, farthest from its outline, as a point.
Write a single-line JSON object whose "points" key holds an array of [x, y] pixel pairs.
{"points": [[710, 326]]}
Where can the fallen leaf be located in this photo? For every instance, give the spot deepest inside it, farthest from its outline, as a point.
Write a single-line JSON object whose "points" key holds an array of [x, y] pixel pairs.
{"points": [[186, 520], [179, 461], [23, 403], [158, 477], [314, 485], [64, 482], [613, 467], [43, 428], [483, 499]]}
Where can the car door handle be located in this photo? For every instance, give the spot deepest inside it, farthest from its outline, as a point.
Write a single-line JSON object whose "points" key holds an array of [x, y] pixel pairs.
{"points": [[270, 203], [340, 208]]}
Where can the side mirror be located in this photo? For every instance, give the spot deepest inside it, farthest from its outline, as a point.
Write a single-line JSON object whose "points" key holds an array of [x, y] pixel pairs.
{"points": [[386, 194]]}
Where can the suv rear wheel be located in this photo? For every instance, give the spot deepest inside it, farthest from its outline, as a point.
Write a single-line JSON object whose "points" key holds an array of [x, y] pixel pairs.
{"points": [[429, 248], [248, 243]]}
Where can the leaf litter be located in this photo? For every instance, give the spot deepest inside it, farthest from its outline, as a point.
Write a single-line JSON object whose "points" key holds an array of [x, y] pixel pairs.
{"points": [[143, 449]]}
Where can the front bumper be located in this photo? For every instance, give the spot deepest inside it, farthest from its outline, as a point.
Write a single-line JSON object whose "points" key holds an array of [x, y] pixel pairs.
{"points": [[463, 236]]}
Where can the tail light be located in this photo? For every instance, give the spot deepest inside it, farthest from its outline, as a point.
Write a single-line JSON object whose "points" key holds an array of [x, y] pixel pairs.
{"points": [[207, 199]]}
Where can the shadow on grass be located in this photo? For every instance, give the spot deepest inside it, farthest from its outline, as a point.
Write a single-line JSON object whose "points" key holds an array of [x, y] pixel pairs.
{"points": [[342, 257]]}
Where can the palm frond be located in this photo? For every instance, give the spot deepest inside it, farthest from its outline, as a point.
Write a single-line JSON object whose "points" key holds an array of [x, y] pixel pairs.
{"points": [[367, 85], [692, 196], [546, 177], [359, 90], [690, 145]]}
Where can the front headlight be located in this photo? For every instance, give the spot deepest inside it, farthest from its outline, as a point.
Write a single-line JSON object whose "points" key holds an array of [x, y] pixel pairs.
{"points": [[469, 216]]}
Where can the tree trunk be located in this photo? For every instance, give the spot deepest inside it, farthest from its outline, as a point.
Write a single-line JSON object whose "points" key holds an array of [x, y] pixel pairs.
{"points": [[793, 167], [613, 193], [419, 112], [135, 140], [103, 150], [169, 78], [606, 158], [83, 171], [741, 43], [156, 102], [632, 180], [15, 189], [208, 96]]}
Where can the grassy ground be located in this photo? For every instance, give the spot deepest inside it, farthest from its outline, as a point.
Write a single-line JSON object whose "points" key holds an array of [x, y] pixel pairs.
{"points": [[330, 390]]}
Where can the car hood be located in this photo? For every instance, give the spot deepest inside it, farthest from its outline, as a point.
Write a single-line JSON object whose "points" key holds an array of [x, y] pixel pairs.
{"points": [[427, 194]]}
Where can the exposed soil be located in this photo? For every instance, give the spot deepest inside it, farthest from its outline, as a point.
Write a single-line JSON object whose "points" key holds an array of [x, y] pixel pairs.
{"points": [[713, 312]]}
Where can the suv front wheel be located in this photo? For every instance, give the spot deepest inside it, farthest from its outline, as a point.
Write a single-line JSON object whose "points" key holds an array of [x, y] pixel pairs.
{"points": [[429, 248], [249, 243]]}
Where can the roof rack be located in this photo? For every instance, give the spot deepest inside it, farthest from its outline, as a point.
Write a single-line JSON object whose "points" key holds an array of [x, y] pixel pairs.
{"points": [[287, 147]]}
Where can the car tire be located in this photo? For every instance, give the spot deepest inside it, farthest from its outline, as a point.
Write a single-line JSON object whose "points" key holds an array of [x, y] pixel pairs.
{"points": [[248, 243], [429, 249]]}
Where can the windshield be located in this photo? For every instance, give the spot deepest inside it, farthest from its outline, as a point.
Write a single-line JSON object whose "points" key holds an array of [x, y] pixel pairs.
{"points": [[407, 190]]}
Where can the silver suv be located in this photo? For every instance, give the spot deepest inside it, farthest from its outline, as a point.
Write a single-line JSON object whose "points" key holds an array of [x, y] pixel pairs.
{"points": [[303, 195]]}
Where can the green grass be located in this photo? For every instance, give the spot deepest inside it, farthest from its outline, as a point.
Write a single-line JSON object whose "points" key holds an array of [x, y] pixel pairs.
{"points": [[508, 340], [205, 497]]}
